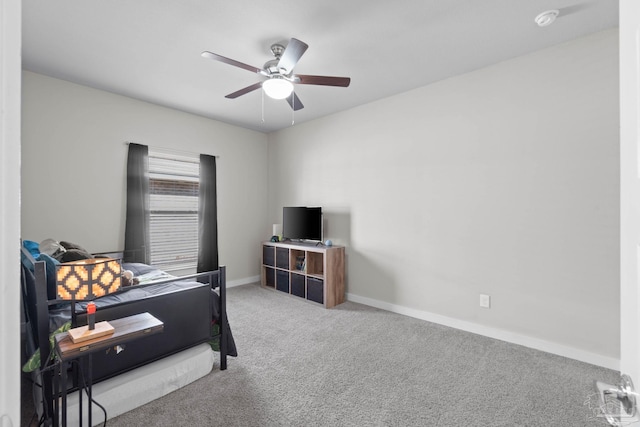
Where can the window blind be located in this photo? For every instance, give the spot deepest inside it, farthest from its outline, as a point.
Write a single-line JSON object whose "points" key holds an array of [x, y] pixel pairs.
{"points": [[173, 203]]}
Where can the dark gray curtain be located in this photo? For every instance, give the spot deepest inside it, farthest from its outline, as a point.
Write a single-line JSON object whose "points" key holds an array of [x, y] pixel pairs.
{"points": [[136, 232], [207, 216]]}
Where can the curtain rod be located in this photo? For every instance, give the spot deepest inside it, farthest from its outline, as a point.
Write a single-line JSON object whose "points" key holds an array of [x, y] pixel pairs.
{"points": [[189, 153]]}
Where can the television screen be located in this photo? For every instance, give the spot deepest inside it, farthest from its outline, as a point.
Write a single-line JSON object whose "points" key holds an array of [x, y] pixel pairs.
{"points": [[302, 223]]}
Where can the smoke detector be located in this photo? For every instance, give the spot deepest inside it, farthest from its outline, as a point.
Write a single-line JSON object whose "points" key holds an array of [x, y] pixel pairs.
{"points": [[547, 18]]}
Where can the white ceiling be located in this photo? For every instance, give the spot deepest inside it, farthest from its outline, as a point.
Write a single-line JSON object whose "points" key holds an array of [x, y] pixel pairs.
{"points": [[150, 49]]}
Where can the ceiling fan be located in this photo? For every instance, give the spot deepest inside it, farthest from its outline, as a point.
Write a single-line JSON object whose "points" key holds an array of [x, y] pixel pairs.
{"points": [[279, 73]]}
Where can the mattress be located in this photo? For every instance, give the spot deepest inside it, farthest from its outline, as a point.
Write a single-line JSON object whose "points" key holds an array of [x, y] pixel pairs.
{"points": [[135, 388]]}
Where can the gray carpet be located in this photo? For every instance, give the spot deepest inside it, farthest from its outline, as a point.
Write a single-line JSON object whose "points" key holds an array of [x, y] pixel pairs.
{"points": [[302, 365]]}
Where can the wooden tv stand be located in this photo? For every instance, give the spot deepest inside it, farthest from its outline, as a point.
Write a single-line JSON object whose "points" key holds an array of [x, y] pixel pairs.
{"points": [[315, 273]]}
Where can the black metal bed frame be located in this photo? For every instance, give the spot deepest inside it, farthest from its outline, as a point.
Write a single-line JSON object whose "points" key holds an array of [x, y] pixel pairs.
{"points": [[38, 324]]}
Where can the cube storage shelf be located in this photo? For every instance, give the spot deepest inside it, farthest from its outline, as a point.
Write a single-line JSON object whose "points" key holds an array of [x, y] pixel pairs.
{"points": [[315, 273]]}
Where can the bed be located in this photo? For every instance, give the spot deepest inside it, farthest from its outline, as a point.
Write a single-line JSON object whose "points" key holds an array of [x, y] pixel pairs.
{"points": [[192, 308]]}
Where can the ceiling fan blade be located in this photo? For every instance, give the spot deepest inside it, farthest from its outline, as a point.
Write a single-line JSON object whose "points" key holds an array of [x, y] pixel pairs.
{"points": [[292, 55], [244, 91], [216, 57], [322, 80], [295, 102]]}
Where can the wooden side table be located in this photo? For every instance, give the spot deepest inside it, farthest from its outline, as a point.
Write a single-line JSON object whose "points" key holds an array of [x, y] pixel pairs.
{"points": [[125, 329]]}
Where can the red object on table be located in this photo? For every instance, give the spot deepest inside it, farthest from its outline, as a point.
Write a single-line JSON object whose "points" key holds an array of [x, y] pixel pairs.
{"points": [[91, 316]]}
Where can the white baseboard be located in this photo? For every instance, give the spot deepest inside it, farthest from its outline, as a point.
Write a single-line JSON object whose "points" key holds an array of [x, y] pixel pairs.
{"points": [[244, 281], [500, 334]]}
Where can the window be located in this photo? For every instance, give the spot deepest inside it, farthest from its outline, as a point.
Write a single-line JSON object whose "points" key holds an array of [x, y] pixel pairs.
{"points": [[173, 204]]}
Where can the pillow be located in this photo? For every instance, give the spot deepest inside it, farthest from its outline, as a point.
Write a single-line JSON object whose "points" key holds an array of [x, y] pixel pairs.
{"points": [[74, 252], [51, 266], [52, 248], [75, 255], [69, 245], [34, 361], [32, 247]]}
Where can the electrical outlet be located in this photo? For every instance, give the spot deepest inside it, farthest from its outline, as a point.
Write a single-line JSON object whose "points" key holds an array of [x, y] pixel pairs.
{"points": [[485, 301]]}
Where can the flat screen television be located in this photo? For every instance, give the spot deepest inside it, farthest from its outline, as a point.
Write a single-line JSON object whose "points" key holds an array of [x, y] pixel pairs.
{"points": [[302, 223]]}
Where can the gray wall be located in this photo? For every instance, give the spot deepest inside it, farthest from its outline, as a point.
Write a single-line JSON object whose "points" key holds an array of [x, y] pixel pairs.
{"points": [[74, 167], [501, 181]]}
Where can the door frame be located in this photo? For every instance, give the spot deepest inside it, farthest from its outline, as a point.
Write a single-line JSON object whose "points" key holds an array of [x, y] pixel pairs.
{"points": [[629, 23], [10, 98]]}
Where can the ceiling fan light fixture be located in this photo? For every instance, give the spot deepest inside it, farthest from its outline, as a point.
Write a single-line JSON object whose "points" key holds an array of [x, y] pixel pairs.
{"points": [[277, 88]]}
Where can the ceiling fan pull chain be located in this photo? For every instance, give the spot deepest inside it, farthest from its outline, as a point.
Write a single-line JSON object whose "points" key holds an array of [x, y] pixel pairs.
{"points": [[262, 105], [293, 108]]}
